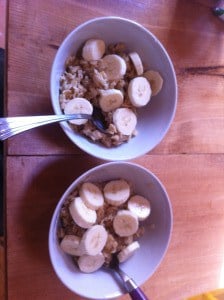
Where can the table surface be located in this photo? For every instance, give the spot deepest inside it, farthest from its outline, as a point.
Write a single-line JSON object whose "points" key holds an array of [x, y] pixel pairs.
{"points": [[41, 163]]}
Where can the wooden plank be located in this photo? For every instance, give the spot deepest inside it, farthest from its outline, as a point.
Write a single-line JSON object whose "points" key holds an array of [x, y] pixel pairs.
{"points": [[192, 35], [194, 260], [2, 268], [194, 39], [2, 23], [2, 239]]}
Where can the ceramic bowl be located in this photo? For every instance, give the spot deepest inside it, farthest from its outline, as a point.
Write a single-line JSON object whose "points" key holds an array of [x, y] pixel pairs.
{"points": [[153, 244], [155, 119]]}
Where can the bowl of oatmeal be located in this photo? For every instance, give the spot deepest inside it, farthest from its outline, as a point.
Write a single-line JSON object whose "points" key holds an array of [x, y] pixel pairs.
{"points": [[119, 67], [116, 207]]}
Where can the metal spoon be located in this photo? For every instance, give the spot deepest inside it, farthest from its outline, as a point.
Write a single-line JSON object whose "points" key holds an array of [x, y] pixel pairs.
{"points": [[131, 287], [11, 126]]}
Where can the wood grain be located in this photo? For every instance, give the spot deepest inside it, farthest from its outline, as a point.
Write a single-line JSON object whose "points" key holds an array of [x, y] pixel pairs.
{"points": [[2, 239], [192, 35], [2, 268], [2, 23], [195, 256], [41, 163]]}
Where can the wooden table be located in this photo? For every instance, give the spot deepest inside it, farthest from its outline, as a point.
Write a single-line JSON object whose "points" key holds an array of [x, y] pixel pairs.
{"points": [[41, 163]]}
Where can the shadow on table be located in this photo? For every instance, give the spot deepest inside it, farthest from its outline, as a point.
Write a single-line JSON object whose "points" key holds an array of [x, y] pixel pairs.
{"points": [[195, 28], [40, 199]]}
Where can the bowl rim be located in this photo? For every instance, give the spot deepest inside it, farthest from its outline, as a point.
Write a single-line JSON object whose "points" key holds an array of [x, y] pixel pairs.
{"points": [[77, 181], [64, 125]]}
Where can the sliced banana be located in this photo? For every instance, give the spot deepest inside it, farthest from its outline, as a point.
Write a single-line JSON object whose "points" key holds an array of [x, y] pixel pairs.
{"points": [[155, 80], [140, 206], [125, 223], [115, 66], [93, 49], [137, 62], [78, 106], [128, 251], [139, 91], [116, 192], [70, 245], [91, 195], [81, 214], [94, 239], [110, 99], [90, 263], [125, 120]]}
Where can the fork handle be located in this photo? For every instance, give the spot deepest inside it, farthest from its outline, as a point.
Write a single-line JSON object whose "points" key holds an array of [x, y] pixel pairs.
{"points": [[11, 126], [131, 287], [134, 291], [137, 294]]}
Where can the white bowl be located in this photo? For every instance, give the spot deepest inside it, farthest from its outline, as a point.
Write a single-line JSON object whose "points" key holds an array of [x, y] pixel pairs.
{"points": [[153, 244], [155, 119]]}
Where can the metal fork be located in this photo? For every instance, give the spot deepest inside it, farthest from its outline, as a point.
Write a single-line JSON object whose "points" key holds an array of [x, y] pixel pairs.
{"points": [[13, 125]]}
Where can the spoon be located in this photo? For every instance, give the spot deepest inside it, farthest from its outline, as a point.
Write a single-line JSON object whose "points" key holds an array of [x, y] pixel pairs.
{"points": [[11, 126], [131, 287]]}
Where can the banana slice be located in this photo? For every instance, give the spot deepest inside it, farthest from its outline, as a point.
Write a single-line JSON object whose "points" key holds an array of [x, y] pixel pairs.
{"points": [[81, 214], [155, 80], [139, 91], [90, 263], [91, 195], [115, 66], [70, 245], [93, 49], [125, 120], [78, 106], [125, 223], [127, 252], [140, 206], [110, 99], [94, 239], [137, 62], [116, 192]]}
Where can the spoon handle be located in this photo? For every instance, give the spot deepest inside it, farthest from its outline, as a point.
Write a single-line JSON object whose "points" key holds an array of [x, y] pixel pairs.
{"points": [[11, 126]]}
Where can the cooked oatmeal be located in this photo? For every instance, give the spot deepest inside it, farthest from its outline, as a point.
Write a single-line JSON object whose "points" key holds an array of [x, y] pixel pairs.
{"points": [[87, 79], [105, 216]]}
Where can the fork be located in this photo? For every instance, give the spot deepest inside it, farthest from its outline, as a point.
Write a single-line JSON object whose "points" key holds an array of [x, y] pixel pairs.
{"points": [[11, 126], [129, 284]]}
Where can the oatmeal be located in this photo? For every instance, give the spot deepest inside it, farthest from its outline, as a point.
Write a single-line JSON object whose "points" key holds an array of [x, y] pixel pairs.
{"points": [[100, 219], [111, 79]]}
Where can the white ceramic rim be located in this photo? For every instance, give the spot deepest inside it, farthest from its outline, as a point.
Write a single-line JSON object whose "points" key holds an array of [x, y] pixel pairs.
{"points": [[71, 188], [65, 125]]}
